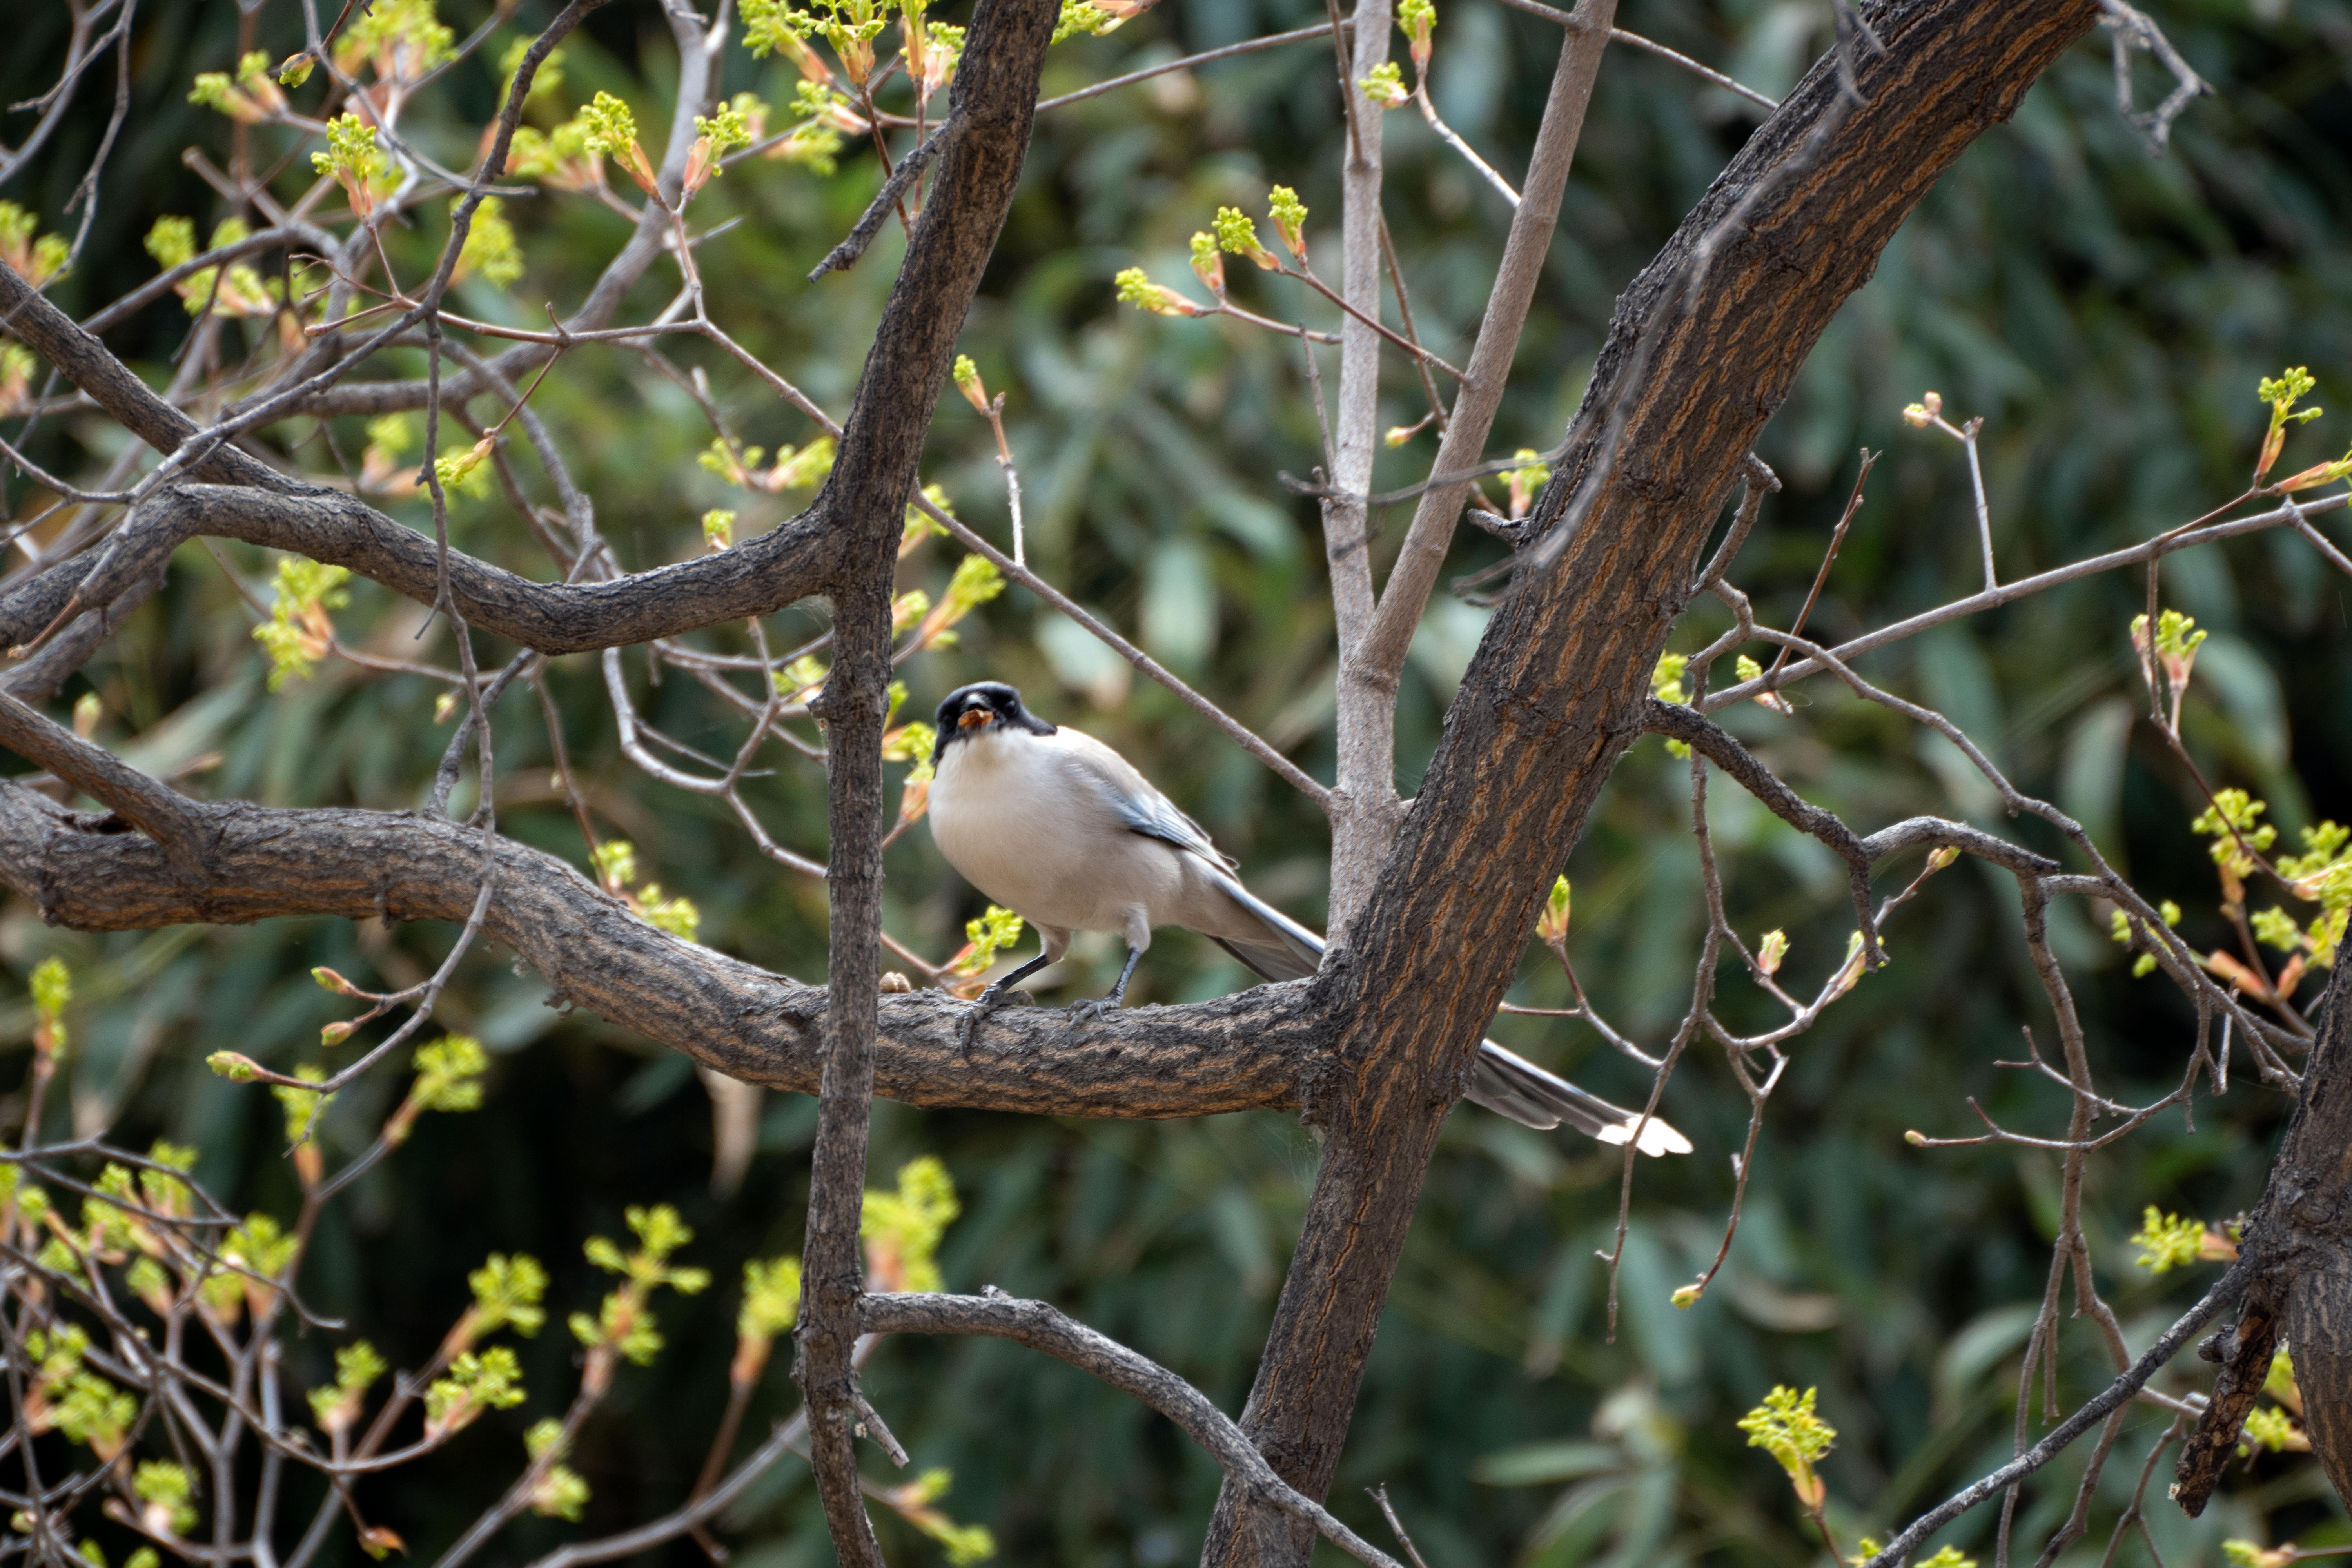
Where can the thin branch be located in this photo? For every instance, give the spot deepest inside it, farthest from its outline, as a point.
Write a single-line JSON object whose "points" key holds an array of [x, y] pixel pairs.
{"points": [[2026, 587], [845, 255], [1899, 1551], [1189, 62]]}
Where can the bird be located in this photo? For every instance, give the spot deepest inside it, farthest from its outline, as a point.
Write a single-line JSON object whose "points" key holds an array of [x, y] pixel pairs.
{"points": [[1058, 827]]}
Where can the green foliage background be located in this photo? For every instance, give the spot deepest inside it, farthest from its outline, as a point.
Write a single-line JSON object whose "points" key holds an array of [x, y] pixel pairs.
{"points": [[2107, 311]]}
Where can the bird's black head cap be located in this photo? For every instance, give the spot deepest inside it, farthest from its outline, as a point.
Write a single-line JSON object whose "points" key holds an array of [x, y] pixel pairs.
{"points": [[983, 705]]}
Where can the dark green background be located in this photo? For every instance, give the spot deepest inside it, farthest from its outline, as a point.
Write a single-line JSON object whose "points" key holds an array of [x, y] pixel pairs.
{"points": [[2107, 312]]}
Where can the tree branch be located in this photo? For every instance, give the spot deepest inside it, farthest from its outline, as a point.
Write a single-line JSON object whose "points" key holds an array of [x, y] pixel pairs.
{"points": [[1364, 780], [82, 359], [1472, 418], [1260, 1049], [1897, 1552], [791, 562], [865, 500], [1042, 1328], [170, 818]]}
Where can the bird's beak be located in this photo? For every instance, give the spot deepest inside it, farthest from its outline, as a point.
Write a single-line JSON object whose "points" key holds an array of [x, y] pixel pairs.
{"points": [[976, 718]]}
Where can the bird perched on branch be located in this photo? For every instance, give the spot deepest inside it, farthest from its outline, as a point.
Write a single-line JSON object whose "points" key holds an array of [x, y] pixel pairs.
{"points": [[1062, 830]]}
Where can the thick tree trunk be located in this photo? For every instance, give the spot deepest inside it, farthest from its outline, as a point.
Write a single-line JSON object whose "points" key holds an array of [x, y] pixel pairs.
{"points": [[1704, 347]]}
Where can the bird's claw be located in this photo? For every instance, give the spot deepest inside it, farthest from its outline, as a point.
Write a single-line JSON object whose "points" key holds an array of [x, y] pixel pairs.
{"points": [[969, 1030], [1091, 1009], [987, 1002]]}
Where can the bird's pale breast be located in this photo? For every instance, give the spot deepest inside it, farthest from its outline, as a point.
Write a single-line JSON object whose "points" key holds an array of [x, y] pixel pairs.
{"points": [[1035, 834]]}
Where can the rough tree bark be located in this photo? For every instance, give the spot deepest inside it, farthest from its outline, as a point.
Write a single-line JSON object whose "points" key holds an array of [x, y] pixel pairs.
{"points": [[1697, 360], [2299, 1245]]}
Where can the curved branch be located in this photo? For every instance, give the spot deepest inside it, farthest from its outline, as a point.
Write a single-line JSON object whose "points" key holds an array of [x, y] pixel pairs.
{"points": [[1718, 746], [2292, 513], [1042, 1327], [166, 816], [1260, 1049], [791, 562]]}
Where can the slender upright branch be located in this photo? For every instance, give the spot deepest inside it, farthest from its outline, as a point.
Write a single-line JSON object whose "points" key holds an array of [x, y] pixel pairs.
{"points": [[993, 104], [1472, 417], [1365, 784]]}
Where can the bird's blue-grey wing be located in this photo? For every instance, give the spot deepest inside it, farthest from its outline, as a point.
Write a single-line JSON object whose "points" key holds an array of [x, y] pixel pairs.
{"points": [[1278, 948], [1154, 816], [1139, 806]]}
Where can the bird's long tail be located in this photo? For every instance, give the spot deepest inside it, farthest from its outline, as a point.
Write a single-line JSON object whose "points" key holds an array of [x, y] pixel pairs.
{"points": [[1513, 1086], [1504, 1083]]}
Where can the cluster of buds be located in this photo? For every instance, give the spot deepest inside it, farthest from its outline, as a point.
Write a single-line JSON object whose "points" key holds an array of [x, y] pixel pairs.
{"points": [[558, 158], [616, 869], [966, 376], [2238, 837], [1551, 925], [913, 742], [934, 49], [336, 1405], [1527, 481], [793, 470], [976, 581], [489, 1379], [489, 252], [850, 26], [2282, 394], [298, 631], [35, 257], [1419, 20], [1237, 236], [1748, 669], [2173, 650], [624, 1326], [613, 133], [1926, 412], [1385, 87], [715, 137], [1785, 1426], [163, 1489], [352, 160], [1232, 232], [2125, 931], [556, 1491], [991, 934], [17, 364], [238, 291], [2168, 1241], [1135, 287], [403, 40], [249, 97]]}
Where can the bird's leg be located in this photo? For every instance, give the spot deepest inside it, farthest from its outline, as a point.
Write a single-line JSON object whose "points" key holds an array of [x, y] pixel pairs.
{"points": [[1089, 1011], [994, 997]]}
